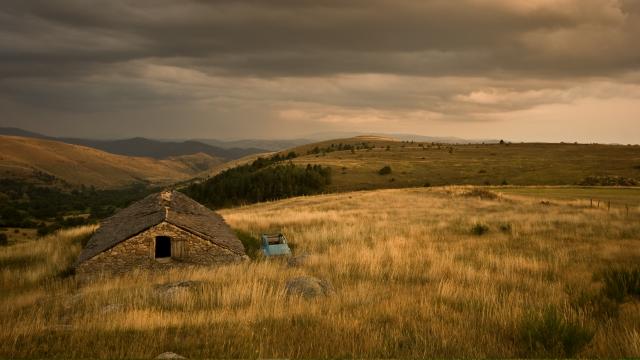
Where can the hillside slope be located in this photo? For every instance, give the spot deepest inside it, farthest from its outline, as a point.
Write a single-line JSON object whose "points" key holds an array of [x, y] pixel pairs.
{"points": [[356, 162], [161, 149], [31, 159], [139, 146]]}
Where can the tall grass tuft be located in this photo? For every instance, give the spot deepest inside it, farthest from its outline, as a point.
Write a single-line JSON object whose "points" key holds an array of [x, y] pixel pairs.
{"points": [[621, 283], [552, 334], [479, 229]]}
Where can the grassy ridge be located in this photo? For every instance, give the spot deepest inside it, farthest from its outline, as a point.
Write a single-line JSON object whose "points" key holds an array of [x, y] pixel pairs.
{"points": [[28, 158], [417, 164], [411, 280]]}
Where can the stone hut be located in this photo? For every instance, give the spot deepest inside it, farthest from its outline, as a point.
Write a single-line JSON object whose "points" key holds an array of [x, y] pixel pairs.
{"points": [[162, 230]]}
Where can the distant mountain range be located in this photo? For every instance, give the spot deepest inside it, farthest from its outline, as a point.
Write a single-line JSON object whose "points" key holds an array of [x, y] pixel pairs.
{"points": [[282, 144], [226, 150], [43, 161], [139, 146], [271, 145], [323, 136]]}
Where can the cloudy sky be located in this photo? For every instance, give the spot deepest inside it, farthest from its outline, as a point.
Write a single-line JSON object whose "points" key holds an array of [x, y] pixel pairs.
{"points": [[534, 70]]}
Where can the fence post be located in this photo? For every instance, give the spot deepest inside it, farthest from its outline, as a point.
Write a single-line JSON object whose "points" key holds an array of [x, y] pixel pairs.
{"points": [[591, 203], [608, 205]]}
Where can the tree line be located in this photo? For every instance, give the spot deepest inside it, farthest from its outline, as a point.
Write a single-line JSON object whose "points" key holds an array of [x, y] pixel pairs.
{"points": [[48, 208], [264, 179]]}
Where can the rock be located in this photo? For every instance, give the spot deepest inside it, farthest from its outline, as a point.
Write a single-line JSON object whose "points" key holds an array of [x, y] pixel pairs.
{"points": [[296, 261], [169, 355], [308, 287], [171, 290], [177, 286]]}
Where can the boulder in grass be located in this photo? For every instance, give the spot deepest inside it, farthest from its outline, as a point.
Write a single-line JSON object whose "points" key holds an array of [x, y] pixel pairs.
{"points": [[297, 261], [169, 355], [177, 286], [308, 287]]}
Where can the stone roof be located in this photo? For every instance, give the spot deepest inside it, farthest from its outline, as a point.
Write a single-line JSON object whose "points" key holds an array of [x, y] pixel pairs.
{"points": [[170, 206]]}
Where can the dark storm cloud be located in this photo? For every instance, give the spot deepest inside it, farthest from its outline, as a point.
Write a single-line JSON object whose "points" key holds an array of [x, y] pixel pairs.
{"points": [[301, 38], [366, 62]]}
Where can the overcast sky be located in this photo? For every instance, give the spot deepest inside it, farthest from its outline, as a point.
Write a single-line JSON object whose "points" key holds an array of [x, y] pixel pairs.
{"points": [[534, 70]]}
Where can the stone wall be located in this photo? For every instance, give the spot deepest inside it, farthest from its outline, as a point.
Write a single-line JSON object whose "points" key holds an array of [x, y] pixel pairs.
{"points": [[138, 252]]}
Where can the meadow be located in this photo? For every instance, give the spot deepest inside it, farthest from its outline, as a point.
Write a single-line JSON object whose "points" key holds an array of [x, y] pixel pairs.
{"points": [[420, 164], [421, 272]]}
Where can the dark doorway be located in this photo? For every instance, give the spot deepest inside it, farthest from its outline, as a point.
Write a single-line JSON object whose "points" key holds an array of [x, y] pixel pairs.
{"points": [[163, 247]]}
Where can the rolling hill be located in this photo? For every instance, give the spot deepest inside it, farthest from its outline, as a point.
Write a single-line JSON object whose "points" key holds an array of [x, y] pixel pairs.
{"points": [[37, 159], [418, 164], [356, 162], [267, 144], [139, 146]]}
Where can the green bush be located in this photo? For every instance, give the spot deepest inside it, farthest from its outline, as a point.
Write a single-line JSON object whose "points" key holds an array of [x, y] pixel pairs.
{"points": [[505, 227], [479, 229], [620, 283], [386, 170], [551, 334], [251, 243], [594, 303]]}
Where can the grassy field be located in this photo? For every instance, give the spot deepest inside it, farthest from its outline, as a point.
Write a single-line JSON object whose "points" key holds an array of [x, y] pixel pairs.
{"points": [[417, 164], [618, 197], [428, 272]]}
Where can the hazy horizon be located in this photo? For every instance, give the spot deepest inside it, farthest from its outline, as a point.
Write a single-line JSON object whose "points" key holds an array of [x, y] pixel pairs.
{"points": [[534, 71]]}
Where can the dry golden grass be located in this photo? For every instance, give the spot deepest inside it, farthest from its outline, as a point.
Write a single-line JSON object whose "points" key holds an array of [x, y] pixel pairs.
{"points": [[410, 279]]}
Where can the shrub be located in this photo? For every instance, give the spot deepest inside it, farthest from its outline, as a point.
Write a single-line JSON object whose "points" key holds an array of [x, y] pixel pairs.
{"points": [[621, 283], [505, 227], [251, 243], [386, 170], [479, 229], [4, 240], [551, 334], [596, 304], [67, 272]]}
